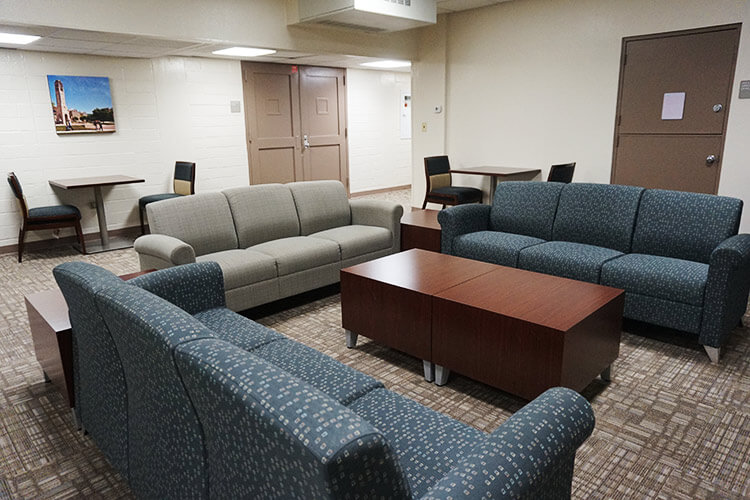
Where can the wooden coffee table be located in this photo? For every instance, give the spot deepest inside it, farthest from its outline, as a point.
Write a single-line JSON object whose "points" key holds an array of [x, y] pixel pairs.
{"points": [[519, 331]]}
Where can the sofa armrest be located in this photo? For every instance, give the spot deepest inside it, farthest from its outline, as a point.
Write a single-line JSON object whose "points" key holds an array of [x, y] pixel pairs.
{"points": [[157, 251], [727, 288], [379, 213], [531, 455], [191, 287], [461, 219]]}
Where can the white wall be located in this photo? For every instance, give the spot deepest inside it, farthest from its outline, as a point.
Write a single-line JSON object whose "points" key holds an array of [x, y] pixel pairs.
{"points": [[534, 82], [378, 157], [165, 110]]}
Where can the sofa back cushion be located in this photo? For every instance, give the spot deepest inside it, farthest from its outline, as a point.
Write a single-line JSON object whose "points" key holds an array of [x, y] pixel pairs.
{"points": [[203, 221], [262, 213], [320, 205], [597, 214], [269, 432], [684, 225], [526, 208]]}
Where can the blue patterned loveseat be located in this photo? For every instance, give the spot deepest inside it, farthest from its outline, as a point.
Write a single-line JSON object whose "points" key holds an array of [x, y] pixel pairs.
{"points": [[200, 402], [677, 255]]}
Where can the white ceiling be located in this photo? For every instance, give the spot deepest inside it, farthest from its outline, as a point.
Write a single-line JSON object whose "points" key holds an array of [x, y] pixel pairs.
{"points": [[73, 41]]}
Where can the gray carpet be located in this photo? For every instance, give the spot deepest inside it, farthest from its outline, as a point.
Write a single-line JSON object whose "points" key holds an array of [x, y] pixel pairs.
{"points": [[670, 425]]}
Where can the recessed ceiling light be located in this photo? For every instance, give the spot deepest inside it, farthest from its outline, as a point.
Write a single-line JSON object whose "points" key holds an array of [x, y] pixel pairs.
{"points": [[243, 52], [387, 64], [15, 39]]}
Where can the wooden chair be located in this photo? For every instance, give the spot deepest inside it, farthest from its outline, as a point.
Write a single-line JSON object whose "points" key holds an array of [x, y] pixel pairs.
{"points": [[53, 217], [183, 184], [440, 188], [561, 173]]}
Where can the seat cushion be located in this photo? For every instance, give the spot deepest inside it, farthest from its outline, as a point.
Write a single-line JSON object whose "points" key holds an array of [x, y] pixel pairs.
{"points": [[54, 211], [493, 246], [427, 443], [242, 267], [262, 213], [462, 194], [526, 208], [566, 259], [299, 253], [357, 240], [237, 329], [145, 200], [337, 380], [663, 277]]}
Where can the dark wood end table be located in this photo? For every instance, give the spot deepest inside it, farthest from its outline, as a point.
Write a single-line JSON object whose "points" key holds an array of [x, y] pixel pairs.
{"points": [[420, 229]]}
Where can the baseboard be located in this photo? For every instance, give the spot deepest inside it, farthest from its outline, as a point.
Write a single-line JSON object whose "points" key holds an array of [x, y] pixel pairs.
{"points": [[132, 232], [381, 190]]}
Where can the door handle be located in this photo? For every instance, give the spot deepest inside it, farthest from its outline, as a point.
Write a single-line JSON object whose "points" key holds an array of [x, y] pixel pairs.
{"points": [[305, 142], [711, 159], [717, 108]]}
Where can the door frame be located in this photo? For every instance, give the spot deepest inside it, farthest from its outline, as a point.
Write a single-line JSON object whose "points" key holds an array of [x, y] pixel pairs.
{"points": [[667, 34]]}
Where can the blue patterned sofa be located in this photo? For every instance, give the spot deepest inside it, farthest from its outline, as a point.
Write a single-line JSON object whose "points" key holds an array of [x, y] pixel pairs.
{"points": [[188, 399], [677, 255]]}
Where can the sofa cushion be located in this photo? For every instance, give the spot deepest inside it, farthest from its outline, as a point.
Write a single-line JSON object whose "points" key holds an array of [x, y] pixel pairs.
{"points": [[320, 205], [566, 259], [299, 253], [493, 246], [684, 225], [672, 279], [237, 329], [262, 213], [357, 240], [203, 221], [526, 208], [597, 214], [242, 267], [342, 383], [663, 312], [428, 443]]}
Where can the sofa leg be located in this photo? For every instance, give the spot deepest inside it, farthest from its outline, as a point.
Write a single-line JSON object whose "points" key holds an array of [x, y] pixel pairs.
{"points": [[713, 353], [441, 375], [429, 370], [351, 339], [606, 375]]}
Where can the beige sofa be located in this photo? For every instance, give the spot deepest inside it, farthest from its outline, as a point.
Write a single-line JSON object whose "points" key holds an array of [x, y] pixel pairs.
{"points": [[271, 240]]}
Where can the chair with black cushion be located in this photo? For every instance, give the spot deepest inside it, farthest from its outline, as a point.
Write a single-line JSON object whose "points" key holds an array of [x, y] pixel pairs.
{"points": [[183, 184], [54, 217], [562, 173], [440, 188]]}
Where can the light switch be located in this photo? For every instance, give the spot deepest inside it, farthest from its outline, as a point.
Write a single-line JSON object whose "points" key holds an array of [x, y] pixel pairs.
{"points": [[234, 106]]}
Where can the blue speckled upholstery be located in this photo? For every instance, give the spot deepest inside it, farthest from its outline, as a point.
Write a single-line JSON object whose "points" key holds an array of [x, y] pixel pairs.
{"points": [[237, 329], [684, 225], [566, 259], [688, 270], [99, 381], [525, 208], [493, 246], [194, 288], [54, 211], [597, 214], [151, 198]]}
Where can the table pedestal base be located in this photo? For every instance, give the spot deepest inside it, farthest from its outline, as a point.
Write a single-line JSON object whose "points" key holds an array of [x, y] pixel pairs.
{"points": [[114, 243]]}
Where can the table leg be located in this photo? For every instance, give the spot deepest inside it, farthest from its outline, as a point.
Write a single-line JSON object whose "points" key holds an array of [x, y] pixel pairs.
{"points": [[351, 339], [441, 375], [101, 215], [493, 187], [429, 370]]}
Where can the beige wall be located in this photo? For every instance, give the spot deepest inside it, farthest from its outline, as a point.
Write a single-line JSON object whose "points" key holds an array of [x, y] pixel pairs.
{"points": [[534, 82]]}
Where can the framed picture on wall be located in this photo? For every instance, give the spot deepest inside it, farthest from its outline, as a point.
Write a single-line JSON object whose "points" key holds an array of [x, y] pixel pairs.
{"points": [[81, 104]]}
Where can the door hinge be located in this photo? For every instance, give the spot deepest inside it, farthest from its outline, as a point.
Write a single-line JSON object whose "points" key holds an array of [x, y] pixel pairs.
{"points": [[619, 120], [617, 141], [346, 132], [625, 59], [344, 79]]}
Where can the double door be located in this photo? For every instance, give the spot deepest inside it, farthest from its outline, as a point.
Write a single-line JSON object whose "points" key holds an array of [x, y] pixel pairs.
{"points": [[296, 123]]}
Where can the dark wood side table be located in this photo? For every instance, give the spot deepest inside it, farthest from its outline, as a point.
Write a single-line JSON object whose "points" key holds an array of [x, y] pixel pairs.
{"points": [[420, 229], [51, 334]]}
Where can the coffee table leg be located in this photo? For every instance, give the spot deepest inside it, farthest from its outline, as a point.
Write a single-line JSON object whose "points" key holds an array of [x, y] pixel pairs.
{"points": [[429, 370], [351, 339], [441, 375], [607, 374]]}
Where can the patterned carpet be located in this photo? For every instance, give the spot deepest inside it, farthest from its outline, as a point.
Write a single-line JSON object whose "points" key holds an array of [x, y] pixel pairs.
{"points": [[670, 425]]}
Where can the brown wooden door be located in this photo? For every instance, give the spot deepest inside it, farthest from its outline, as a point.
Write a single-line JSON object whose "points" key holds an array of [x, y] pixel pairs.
{"points": [[682, 148], [323, 123]]}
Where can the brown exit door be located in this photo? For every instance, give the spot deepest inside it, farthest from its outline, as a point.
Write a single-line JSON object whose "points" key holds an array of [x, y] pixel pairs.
{"points": [[672, 110], [296, 123]]}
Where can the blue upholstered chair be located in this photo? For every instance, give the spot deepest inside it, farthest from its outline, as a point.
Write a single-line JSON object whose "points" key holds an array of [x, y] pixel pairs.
{"points": [[561, 173], [440, 188], [183, 184], [53, 217]]}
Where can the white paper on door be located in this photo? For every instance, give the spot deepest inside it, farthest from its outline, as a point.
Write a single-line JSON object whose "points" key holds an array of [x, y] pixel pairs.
{"points": [[673, 106]]}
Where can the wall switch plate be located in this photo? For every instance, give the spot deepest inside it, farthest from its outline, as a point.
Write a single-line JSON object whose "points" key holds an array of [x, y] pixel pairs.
{"points": [[438, 109], [745, 89], [234, 106]]}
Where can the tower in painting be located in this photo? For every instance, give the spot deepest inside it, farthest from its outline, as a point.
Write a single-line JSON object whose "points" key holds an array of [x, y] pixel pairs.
{"points": [[62, 115]]}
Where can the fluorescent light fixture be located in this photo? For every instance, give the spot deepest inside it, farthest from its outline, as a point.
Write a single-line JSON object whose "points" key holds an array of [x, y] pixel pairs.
{"points": [[387, 64], [12, 38], [243, 52]]}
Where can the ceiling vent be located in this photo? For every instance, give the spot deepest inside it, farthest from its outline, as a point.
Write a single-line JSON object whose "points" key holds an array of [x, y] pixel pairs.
{"points": [[369, 15]]}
